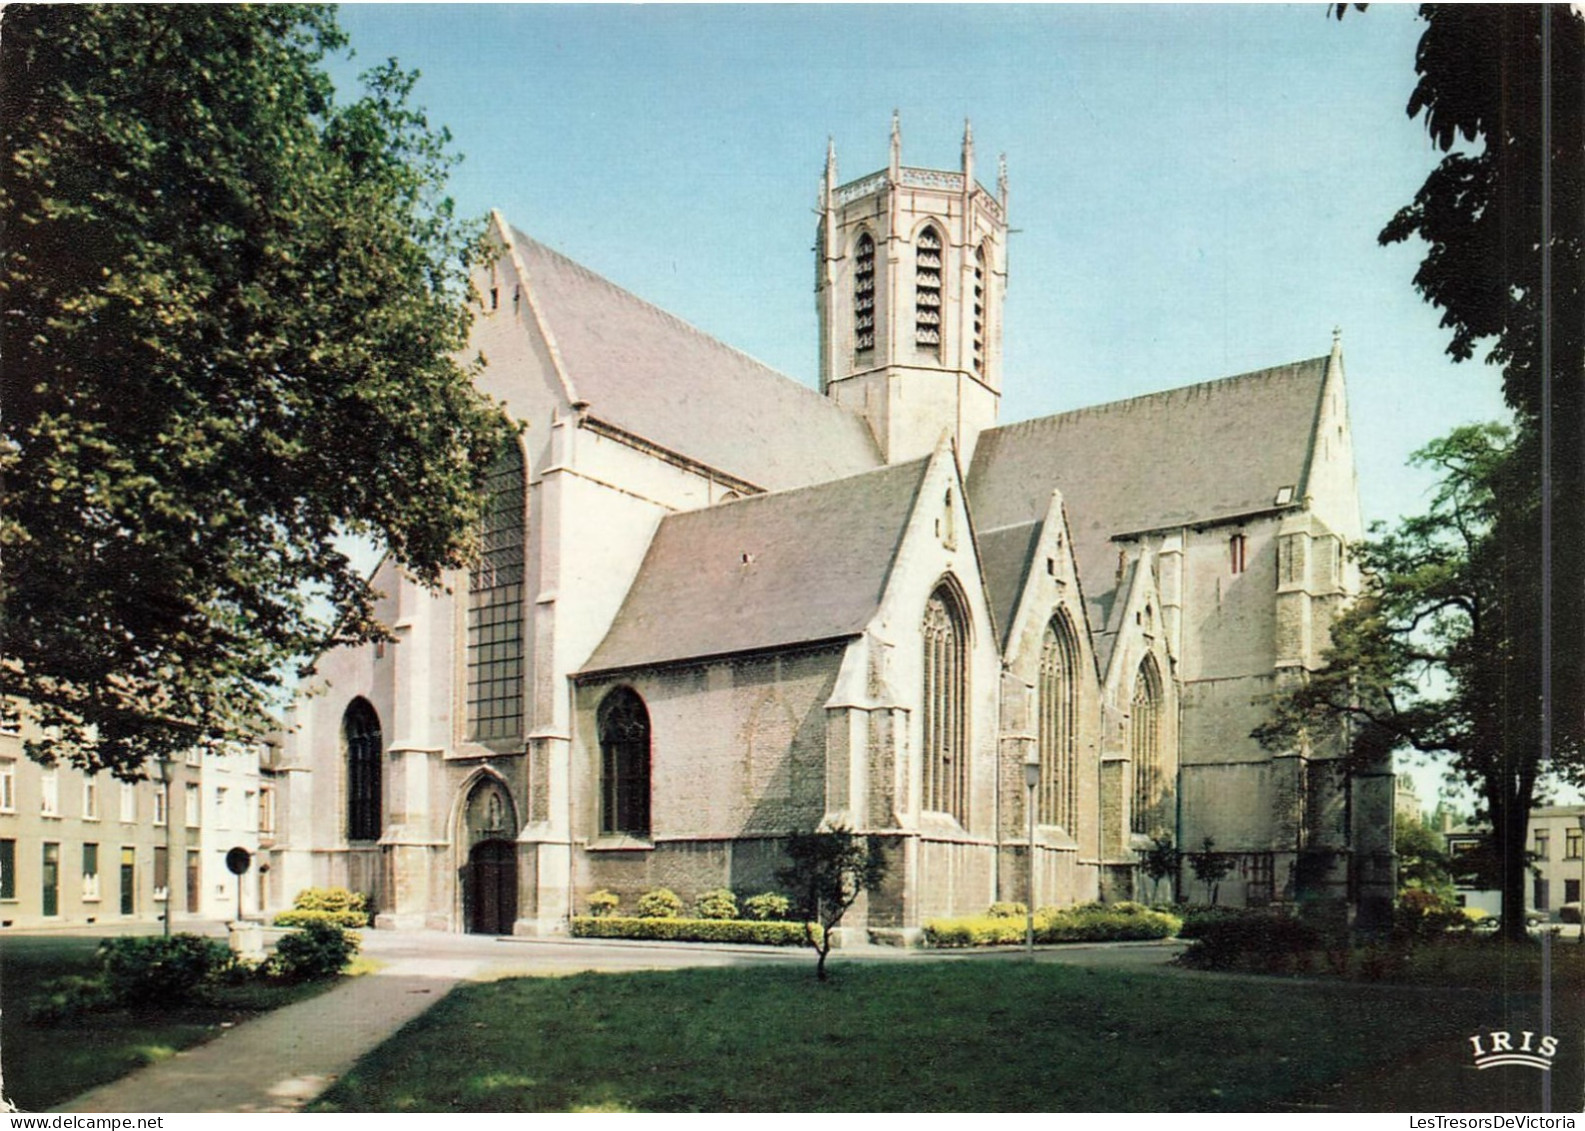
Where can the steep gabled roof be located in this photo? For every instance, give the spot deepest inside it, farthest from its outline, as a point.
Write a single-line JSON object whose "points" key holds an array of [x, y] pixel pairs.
{"points": [[1005, 557], [1198, 454], [650, 374], [765, 571]]}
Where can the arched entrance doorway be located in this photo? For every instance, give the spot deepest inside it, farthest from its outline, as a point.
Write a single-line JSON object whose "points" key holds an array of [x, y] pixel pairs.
{"points": [[489, 878]]}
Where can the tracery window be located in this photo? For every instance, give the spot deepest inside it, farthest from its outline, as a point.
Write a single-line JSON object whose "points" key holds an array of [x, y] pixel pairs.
{"points": [[1058, 729], [360, 735], [1145, 744], [495, 608], [928, 266], [623, 726], [864, 294], [946, 770]]}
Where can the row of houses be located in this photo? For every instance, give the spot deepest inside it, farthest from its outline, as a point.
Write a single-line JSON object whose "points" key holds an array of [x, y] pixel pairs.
{"points": [[80, 849], [1557, 861]]}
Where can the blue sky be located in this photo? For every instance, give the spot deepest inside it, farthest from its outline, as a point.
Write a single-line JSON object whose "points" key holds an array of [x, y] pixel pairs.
{"points": [[1195, 189]]}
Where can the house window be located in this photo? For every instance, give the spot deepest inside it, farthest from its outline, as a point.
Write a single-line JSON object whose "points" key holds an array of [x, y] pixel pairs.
{"points": [[1543, 844], [129, 874], [8, 785], [194, 805], [360, 735], [90, 873], [928, 263], [129, 803], [162, 870], [1540, 893], [8, 869], [1058, 731], [864, 294], [1571, 844], [50, 792], [266, 809], [1144, 744], [623, 725], [194, 891], [946, 771], [495, 608], [50, 880], [1238, 553], [91, 797], [162, 803], [1570, 891]]}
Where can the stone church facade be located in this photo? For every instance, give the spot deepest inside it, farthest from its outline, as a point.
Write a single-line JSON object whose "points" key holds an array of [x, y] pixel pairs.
{"points": [[715, 606]]}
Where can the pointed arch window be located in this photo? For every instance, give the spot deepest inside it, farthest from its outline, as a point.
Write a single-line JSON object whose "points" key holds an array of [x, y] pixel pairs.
{"points": [[495, 608], [980, 273], [929, 267], [361, 740], [1058, 726], [945, 703], [623, 726], [1144, 744], [864, 294]]}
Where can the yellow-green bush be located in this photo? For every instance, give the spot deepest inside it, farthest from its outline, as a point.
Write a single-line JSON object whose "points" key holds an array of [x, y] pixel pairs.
{"points": [[692, 930], [326, 905], [350, 919], [1091, 922]]}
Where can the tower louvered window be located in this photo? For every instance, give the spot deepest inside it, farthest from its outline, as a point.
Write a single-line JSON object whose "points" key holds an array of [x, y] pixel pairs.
{"points": [[946, 769], [1145, 745], [1058, 734], [864, 294], [495, 609], [979, 311], [928, 269]]}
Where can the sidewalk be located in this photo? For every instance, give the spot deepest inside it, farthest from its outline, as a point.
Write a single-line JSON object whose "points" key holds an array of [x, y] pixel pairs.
{"points": [[281, 1061]]}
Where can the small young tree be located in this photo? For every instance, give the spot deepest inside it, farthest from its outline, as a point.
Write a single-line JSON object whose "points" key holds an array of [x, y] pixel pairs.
{"points": [[1210, 868], [828, 870], [1160, 862]]}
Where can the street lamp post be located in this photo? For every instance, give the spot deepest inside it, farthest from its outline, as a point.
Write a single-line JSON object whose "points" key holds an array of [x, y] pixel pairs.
{"points": [[1031, 780], [164, 765]]}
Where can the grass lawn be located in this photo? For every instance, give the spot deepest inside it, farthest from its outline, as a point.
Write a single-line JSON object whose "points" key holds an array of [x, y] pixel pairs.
{"points": [[47, 1065], [952, 1036]]}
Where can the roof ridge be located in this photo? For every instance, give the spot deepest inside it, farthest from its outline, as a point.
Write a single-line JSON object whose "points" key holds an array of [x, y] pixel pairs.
{"points": [[804, 488], [1161, 394], [680, 323]]}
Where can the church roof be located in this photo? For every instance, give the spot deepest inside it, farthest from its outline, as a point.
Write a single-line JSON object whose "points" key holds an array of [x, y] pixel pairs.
{"points": [[1005, 556], [765, 571], [1200, 454], [650, 374]]}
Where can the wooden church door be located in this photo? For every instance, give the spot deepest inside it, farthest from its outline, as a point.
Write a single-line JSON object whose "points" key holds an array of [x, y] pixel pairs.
{"points": [[492, 887]]}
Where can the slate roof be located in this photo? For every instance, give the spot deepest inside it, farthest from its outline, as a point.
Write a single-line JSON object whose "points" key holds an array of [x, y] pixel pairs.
{"points": [[1197, 454], [1005, 557], [764, 571], [649, 373]]}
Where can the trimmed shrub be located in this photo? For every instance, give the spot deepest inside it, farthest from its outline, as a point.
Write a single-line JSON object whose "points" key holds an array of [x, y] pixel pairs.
{"points": [[603, 903], [767, 906], [662, 903], [1198, 916], [316, 950], [147, 969], [718, 904], [1265, 942], [1008, 910], [69, 997], [1088, 922], [331, 905], [352, 920], [762, 933]]}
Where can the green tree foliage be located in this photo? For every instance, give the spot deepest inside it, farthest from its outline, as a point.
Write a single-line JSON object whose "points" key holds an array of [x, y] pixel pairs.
{"points": [[1161, 861], [1435, 653], [827, 871], [1422, 858], [1210, 867], [232, 312], [1503, 218]]}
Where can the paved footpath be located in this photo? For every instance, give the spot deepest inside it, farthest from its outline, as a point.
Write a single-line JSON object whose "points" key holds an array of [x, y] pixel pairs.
{"points": [[281, 1061]]}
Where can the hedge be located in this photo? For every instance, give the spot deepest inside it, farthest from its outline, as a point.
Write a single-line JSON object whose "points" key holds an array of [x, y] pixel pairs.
{"points": [[771, 933], [349, 919], [1085, 923]]}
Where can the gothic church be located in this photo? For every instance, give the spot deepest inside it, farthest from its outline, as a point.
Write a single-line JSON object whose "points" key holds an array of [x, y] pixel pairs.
{"points": [[715, 606]]}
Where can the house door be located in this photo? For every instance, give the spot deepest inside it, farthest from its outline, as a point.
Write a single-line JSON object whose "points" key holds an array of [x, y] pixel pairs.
{"points": [[52, 879], [492, 887]]}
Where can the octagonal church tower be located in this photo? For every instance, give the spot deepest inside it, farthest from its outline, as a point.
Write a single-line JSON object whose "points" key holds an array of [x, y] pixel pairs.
{"points": [[910, 274]]}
